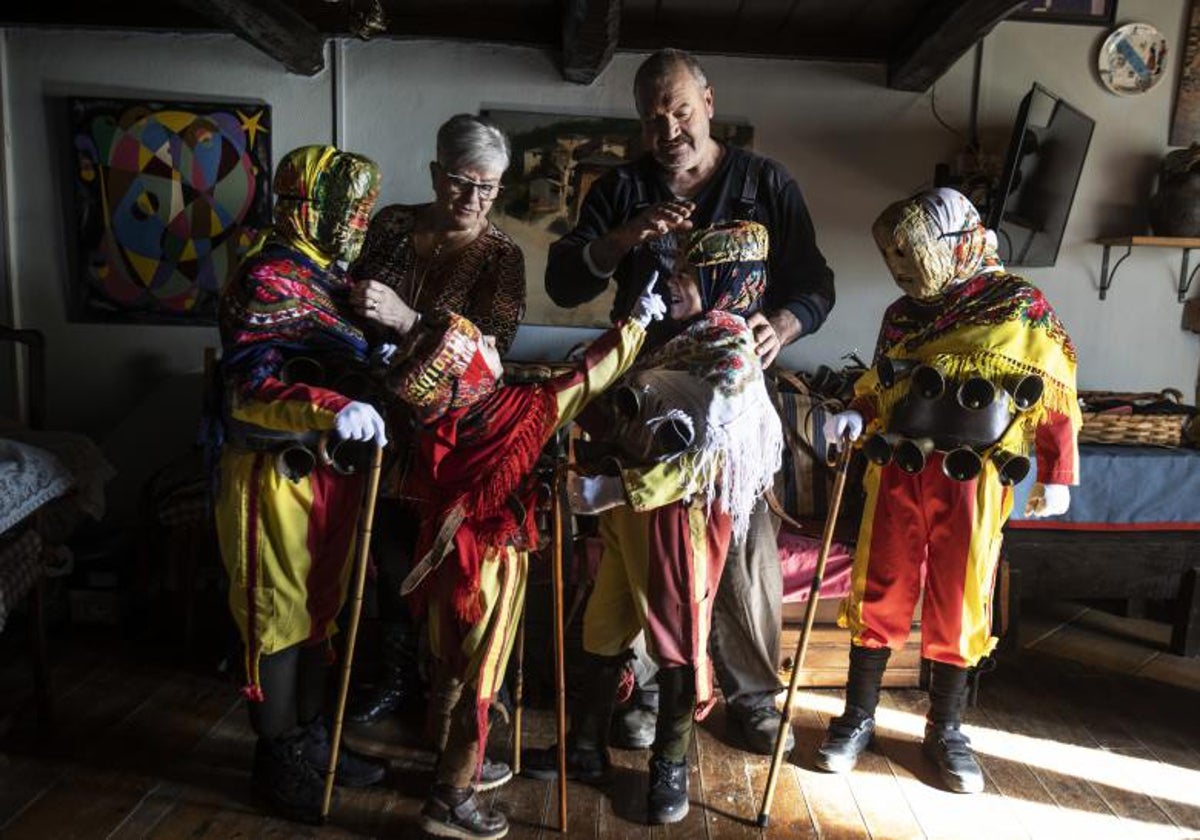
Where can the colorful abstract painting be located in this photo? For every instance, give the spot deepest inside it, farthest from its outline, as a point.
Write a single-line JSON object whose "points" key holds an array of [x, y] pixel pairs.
{"points": [[168, 196]]}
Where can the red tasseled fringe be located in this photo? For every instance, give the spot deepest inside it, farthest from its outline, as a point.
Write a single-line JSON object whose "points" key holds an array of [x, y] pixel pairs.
{"points": [[626, 684], [253, 693]]}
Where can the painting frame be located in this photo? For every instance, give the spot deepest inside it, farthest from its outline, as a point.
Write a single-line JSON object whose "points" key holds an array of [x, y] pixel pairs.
{"points": [[551, 149], [1081, 12], [167, 196]]}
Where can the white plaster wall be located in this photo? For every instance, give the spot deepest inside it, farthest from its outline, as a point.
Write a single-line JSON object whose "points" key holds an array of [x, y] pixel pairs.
{"points": [[852, 144]]}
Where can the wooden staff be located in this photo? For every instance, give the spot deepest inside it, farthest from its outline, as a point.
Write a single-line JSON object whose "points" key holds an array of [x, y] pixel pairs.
{"points": [[518, 695], [365, 520], [560, 681], [814, 592]]}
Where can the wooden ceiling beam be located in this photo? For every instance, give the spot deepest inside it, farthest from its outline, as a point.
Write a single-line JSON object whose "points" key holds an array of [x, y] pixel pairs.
{"points": [[589, 38], [940, 37], [272, 26]]}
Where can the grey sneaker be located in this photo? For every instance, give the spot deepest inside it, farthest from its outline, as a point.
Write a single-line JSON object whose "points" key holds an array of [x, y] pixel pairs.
{"points": [[950, 750], [633, 728], [493, 775], [848, 736]]}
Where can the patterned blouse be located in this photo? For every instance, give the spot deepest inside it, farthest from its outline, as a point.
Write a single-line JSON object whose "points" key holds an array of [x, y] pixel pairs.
{"points": [[485, 281]]}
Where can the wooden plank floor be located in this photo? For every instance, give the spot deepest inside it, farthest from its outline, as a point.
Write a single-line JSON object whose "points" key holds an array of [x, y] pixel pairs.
{"points": [[144, 749]]}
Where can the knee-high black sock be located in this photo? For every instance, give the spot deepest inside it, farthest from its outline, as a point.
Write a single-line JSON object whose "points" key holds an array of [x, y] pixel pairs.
{"points": [[947, 693], [592, 712], [864, 679], [676, 710], [276, 714], [312, 673]]}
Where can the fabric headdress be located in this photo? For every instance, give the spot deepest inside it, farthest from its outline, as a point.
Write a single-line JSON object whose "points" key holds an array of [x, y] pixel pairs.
{"points": [[943, 235], [323, 198], [731, 265], [445, 372]]}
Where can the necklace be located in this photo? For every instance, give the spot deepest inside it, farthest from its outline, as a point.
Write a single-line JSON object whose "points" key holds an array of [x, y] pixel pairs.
{"points": [[418, 280]]}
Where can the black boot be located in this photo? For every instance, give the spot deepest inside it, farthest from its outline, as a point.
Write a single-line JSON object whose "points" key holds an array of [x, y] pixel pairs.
{"points": [[455, 812], [945, 744], [288, 782], [851, 732], [667, 799], [399, 686], [591, 717], [353, 769]]}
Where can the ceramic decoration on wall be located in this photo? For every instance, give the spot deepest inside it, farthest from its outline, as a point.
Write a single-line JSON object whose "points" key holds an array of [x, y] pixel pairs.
{"points": [[1132, 59], [556, 159], [168, 197]]}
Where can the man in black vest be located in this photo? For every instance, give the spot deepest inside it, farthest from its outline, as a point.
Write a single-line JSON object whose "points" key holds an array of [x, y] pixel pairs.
{"points": [[626, 227]]}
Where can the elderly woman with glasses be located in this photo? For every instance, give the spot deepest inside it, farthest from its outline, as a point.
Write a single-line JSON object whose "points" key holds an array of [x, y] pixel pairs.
{"points": [[444, 255]]}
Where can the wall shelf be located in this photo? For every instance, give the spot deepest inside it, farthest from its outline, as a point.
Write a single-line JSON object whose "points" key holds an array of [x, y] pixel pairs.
{"points": [[1185, 244]]}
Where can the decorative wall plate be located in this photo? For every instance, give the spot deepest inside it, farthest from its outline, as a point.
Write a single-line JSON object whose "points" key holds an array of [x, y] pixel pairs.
{"points": [[1132, 59]]}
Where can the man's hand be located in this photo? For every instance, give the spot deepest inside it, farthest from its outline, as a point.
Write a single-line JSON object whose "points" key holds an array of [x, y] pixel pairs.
{"points": [[772, 333], [605, 253]]}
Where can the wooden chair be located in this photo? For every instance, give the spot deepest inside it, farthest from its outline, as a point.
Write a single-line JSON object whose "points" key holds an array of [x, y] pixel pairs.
{"points": [[28, 538]]}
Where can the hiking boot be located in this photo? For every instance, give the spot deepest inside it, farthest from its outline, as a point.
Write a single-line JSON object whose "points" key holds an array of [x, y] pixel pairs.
{"points": [[667, 799], [285, 780], [455, 812], [354, 770], [493, 775], [583, 765], [756, 727], [845, 741], [948, 748], [633, 727]]}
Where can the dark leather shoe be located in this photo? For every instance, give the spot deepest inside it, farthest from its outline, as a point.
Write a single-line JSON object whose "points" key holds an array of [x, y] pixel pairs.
{"points": [[583, 765], [667, 799], [455, 812], [354, 770], [633, 727], [757, 727], [493, 775], [286, 781], [950, 750], [845, 741], [389, 695]]}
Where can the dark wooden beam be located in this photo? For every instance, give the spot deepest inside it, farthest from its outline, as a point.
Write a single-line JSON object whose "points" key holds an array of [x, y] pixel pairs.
{"points": [[589, 38], [270, 25], [940, 37]]}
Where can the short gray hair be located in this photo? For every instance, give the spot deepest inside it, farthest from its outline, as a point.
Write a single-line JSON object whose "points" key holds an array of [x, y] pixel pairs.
{"points": [[468, 141], [662, 64]]}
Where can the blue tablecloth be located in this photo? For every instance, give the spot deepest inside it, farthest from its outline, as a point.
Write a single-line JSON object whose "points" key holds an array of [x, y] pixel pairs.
{"points": [[1127, 487]]}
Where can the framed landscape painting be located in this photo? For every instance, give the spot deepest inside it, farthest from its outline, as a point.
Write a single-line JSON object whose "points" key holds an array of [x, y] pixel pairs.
{"points": [[1091, 12]]}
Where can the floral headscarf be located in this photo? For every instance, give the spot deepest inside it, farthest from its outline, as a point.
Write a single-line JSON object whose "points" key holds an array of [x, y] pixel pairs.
{"points": [[940, 233], [731, 265], [323, 200]]}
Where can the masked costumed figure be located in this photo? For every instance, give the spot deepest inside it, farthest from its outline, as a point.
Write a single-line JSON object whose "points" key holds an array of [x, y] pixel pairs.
{"points": [[972, 372], [286, 510], [700, 443], [477, 446]]}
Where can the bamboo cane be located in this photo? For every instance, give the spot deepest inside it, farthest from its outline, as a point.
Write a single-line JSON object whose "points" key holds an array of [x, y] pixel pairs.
{"points": [[839, 484], [518, 695], [560, 684], [365, 521]]}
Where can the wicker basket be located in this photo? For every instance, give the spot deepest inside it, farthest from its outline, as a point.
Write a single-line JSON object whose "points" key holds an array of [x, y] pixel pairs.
{"points": [[1132, 429]]}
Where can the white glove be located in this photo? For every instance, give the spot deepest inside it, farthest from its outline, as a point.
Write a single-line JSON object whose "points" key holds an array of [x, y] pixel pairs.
{"points": [[1048, 500], [360, 421], [381, 355], [594, 493], [849, 423], [650, 306]]}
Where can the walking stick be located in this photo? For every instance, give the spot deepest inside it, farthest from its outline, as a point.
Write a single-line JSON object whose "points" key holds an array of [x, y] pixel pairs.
{"points": [[560, 682], [365, 520], [839, 484], [518, 695]]}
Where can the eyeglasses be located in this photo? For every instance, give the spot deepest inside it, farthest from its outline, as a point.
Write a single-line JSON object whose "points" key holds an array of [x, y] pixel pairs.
{"points": [[461, 185]]}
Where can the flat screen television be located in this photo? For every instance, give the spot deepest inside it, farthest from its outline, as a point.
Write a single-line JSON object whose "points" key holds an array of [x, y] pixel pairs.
{"points": [[1041, 171]]}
